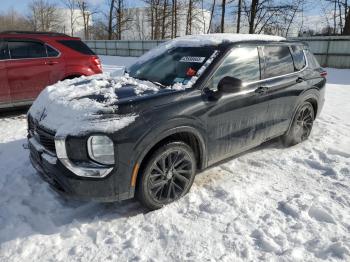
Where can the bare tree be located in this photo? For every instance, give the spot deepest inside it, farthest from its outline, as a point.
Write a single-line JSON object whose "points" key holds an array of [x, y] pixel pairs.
{"points": [[211, 15], [252, 15], [43, 16], [223, 9], [174, 20], [71, 5], [346, 30], [239, 14], [340, 14], [263, 14], [11, 20], [189, 17], [121, 18], [117, 19], [85, 14], [110, 19], [290, 15], [165, 15]]}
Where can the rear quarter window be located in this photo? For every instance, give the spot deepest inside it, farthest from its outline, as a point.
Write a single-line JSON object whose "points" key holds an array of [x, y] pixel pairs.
{"points": [[51, 52], [78, 46], [278, 61], [298, 57], [312, 61]]}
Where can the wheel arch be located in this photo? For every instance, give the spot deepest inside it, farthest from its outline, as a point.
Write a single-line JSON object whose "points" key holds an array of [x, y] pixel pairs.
{"points": [[189, 135], [310, 96]]}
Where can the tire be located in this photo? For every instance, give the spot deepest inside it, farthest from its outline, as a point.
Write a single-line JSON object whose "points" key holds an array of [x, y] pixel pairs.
{"points": [[301, 126], [167, 176]]}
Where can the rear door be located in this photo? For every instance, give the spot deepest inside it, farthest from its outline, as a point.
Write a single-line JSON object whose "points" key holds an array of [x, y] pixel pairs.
{"points": [[55, 64], [4, 88], [283, 82], [27, 70]]}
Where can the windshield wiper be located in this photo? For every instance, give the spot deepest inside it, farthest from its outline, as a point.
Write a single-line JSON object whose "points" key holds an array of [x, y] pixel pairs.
{"points": [[153, 82], [157, 83]]}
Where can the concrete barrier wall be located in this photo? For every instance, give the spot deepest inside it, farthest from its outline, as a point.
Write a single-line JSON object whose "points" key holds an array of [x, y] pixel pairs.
{"points": [[331, 51], [121, 47]]}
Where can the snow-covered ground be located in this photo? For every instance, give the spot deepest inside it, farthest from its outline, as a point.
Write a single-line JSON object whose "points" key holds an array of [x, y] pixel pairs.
{"points": [[271, 203]]}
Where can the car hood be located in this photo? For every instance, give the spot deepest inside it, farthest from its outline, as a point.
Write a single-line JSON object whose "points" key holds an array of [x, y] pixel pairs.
{"points": [[72, 107]]}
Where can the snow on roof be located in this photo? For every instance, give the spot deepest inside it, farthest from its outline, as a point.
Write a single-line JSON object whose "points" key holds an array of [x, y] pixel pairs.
{"points": [[216, 39], [205, 40]]}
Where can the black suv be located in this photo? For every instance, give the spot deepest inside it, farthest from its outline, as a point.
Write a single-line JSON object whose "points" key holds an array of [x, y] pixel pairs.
{"points": [[180, 108]]}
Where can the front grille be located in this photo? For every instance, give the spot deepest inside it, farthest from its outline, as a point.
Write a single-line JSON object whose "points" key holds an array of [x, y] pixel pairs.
{"points": [[45, 137], [34, 154]]}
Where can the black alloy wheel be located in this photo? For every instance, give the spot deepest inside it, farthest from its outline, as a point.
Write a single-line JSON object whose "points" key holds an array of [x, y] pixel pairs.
{"points": [[168, 175], [301, 126]]}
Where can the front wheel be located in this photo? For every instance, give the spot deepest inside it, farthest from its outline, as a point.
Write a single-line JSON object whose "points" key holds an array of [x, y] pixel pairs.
{"points": [[301, 126], [167, 176]]}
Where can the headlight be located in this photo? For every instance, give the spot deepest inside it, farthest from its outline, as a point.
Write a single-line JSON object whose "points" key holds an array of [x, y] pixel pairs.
{"points": [[101, 149]]}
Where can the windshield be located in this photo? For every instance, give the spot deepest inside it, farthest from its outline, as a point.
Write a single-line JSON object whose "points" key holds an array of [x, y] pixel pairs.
{"points": [[177, 65]]}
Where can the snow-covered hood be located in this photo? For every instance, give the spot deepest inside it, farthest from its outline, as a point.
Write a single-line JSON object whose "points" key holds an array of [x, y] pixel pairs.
{"points": [[73, 107]]}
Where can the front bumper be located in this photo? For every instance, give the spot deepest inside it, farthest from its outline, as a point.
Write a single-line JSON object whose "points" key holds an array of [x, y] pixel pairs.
{"points": [[65, 182]]}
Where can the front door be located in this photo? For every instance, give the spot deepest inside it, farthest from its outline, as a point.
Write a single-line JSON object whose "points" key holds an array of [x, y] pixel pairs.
{"points": [[27, 70], [236, 121], [4, 88]]}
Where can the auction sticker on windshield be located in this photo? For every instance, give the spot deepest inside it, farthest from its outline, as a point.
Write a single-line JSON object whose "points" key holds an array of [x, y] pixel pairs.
{"points": [[192, 59]]}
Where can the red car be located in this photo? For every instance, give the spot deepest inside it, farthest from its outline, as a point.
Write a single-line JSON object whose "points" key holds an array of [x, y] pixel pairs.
{"points": [[30, 61]]}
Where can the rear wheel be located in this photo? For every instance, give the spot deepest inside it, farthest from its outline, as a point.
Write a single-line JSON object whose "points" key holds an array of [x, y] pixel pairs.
{"points": [[302, 125], [167, 176]]}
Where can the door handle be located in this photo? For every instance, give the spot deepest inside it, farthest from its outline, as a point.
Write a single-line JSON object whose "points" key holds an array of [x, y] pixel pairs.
{"points": [[51, 63], [300, 80], [261, 89]]}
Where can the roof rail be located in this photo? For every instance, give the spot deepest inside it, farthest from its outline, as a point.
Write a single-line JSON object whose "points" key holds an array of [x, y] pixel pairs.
{"points": [[34, 33]]}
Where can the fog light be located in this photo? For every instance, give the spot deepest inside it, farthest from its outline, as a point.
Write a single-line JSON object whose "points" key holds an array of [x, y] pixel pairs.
{"points": [[101, 149]]}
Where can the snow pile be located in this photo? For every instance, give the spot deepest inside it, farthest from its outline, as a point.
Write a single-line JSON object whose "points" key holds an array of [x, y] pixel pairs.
{"points": [[271, 203], [205, 40]]}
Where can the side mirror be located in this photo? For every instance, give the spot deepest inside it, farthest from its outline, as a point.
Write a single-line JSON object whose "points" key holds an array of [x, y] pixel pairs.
{"points": [[229, 84]]}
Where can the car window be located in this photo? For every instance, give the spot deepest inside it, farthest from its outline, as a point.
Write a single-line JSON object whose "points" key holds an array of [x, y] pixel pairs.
{"points": [[173, 66], [51, 52], [313, 63], [242, 63], [298, 57], [26, 49], [78, 46], [278, 61], [3, 50]]}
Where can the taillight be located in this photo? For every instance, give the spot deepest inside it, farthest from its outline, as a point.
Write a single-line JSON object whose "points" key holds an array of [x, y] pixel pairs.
{"points": [[323, 74], [96, 61]]}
